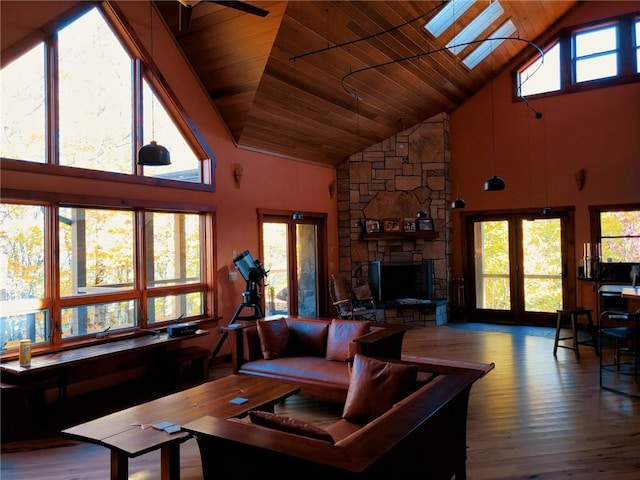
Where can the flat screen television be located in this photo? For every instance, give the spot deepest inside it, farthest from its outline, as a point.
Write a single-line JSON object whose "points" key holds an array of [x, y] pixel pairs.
{"points": [[390, 282]]}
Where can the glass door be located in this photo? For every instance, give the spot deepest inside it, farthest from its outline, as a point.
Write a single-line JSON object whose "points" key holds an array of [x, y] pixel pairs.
{"points": [[294, 259], [306, 269], [518, 264], [542, 264], [275, 255]]}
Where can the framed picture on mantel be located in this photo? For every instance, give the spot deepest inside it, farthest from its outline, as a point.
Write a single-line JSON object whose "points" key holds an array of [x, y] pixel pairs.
{"points": [[424, 224], [392, 225], [409, 225], [372, 226]]}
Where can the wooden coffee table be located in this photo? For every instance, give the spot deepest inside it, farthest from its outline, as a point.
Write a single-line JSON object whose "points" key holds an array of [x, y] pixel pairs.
{"points": [[130, 433]]}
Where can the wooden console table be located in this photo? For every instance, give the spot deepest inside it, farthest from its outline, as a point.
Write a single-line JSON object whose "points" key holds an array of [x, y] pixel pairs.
{"points": [[57, 364], [130, 433]]}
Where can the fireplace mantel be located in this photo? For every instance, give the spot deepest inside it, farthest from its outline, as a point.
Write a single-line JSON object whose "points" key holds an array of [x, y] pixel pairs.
{"points": [[426, 234]]}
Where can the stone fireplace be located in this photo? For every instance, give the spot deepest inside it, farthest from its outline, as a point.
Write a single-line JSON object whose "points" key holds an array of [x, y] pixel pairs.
{"points": [[396, 178]]}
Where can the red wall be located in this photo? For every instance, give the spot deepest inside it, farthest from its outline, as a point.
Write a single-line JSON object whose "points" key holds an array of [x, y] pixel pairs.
{"points": [[598, 131]]}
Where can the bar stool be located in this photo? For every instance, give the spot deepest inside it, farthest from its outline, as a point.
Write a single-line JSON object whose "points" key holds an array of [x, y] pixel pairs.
{"points": [[573, 314]]}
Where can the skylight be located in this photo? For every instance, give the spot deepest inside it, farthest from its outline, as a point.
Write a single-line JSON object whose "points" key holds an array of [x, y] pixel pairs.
{"points": [[446, 17], [485, 48], [475, 28]]}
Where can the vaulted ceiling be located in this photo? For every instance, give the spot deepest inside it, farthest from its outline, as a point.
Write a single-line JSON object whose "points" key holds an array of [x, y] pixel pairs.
{"points": [[319, 81]]}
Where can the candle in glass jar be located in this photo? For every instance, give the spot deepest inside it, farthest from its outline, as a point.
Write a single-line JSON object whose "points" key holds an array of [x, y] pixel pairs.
{"points": [[25, 353]]}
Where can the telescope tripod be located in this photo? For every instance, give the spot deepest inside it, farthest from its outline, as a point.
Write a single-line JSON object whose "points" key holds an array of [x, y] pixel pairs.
{"points": [[250, 299]]}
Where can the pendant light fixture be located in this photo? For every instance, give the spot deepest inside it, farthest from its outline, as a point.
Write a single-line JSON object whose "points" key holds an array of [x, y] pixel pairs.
{"points": [[494, 183], [457, 203], [153, 155]]}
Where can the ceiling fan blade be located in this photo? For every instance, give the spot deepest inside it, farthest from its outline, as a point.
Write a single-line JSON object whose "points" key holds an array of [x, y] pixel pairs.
{"points": [[243, 7]]}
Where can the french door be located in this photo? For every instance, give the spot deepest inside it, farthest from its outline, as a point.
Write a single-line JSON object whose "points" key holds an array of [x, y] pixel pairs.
{"points": [[294, 257], [517, 266]]}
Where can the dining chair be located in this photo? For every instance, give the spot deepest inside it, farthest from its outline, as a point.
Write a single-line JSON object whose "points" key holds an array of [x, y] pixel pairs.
{"points": [[619, 341]]}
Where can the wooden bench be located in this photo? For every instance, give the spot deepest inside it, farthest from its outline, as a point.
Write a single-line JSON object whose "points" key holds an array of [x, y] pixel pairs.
{"points": [[25, 388], [193, 359]]}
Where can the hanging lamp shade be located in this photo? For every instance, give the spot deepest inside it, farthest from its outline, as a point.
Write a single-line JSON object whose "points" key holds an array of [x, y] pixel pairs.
{"points": [[153, 155], [494, 184], [298, 216], [458, 203], [547, 211]]}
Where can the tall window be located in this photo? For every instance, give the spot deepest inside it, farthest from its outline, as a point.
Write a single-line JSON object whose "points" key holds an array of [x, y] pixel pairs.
{"points": [[22, 135], [543, 74], [72, 269], [637, 44], [91, 108], [585, 57], [619, 234], [98, 283], [595, 53], [24, 305]]}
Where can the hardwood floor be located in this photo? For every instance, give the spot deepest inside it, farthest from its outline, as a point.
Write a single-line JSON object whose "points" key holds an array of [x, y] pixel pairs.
{"points": [[533, 416]]}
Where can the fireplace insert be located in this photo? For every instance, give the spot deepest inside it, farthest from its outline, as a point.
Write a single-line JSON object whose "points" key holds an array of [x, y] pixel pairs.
{"points": [[391, 282]]}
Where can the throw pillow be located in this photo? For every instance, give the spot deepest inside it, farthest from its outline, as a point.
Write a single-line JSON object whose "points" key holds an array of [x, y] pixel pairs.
{"points": [[375, 386], [307, 337], [341, 334], [289, 425], [274, 337]]}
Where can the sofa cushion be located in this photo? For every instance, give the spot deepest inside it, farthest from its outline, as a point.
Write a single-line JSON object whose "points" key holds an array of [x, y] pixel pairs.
{"points": [[289, 425], [307, 337], [375, 386], [274, 337], [342, 429], [305, 370], [341, 333]]}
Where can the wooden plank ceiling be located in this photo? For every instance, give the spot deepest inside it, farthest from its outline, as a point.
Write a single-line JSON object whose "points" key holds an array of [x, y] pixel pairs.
{"points": [[277, 96]]}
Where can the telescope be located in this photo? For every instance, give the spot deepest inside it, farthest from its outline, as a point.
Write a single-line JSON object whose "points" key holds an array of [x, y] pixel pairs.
{"points": [[251, 269]]}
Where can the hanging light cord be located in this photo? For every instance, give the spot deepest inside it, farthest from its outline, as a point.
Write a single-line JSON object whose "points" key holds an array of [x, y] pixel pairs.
{"points": [[544, 146], [493, 108], [493, 131], [153, 103]]}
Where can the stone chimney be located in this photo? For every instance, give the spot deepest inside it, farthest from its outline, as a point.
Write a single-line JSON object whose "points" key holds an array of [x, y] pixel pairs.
{"points": [[395, 179]]}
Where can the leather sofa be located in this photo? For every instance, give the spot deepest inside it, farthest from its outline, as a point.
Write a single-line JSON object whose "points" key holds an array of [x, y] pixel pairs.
{"points": [[314, 353], [422, 435]]}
